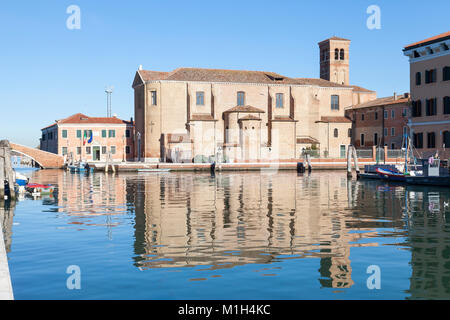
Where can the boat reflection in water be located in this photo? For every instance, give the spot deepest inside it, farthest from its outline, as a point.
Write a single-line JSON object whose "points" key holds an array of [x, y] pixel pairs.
{"points": [[268, 220]]}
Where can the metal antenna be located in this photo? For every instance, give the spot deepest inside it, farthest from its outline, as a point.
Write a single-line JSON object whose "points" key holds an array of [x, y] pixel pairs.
{"points": [[109, 90]]}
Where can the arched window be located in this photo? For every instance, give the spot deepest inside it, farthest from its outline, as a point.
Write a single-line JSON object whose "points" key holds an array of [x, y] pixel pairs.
{"points": [[336, 132], [342, 54], [336, 54]]}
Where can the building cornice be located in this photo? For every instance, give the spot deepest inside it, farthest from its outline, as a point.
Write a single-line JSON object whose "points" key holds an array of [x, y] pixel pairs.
{"points": [[428, 52], [254, 84]]}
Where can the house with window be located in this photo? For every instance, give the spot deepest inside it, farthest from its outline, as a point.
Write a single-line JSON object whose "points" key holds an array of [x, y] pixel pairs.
{"points": [[194, 114], [380, 122], [430, 94], [80, 137]]}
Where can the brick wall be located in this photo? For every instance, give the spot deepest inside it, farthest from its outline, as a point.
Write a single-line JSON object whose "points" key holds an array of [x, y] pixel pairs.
{"points": [[45, 159]]}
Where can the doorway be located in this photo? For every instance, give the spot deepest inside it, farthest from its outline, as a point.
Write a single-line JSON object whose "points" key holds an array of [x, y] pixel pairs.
{"points": [[96, 153]]}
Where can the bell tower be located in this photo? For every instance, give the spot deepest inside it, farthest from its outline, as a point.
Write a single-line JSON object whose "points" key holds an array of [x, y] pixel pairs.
{"points": [[334, 60]]}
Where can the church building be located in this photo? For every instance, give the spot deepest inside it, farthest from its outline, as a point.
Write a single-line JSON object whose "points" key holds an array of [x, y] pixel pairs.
{"points": [[205, 115]]}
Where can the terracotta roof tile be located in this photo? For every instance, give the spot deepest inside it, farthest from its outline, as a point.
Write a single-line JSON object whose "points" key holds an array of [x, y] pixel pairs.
{"points": [[334, 120], [152, 75], [439, 37], [80, 118], [401, 99], [249, 109], [361, 89], [236, 76]]}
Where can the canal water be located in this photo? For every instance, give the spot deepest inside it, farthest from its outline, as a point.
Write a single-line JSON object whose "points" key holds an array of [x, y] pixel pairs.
{"points": [[239, 235]]}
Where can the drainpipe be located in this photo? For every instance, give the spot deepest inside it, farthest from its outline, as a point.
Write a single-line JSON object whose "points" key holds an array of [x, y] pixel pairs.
{"points": [[382, 127]]}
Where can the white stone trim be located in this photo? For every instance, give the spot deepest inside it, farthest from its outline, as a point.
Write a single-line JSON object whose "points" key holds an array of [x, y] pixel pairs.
{"points": [[429, 123], [428, 56]]}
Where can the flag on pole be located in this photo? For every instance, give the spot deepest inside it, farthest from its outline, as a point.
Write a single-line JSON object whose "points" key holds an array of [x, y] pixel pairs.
{"points": [[84, 137]]}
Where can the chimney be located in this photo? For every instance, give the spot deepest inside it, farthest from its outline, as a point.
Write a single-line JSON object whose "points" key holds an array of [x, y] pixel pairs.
{"points": [[395, 96], [140, 67]]}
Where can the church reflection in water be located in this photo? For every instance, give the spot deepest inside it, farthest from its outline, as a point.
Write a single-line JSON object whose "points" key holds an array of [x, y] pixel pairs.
{"points": [[243, 218], [240, 218]]}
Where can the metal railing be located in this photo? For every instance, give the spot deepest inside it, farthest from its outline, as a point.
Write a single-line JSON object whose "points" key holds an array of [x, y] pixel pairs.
{"points": [[364, 153], [395, 153]]}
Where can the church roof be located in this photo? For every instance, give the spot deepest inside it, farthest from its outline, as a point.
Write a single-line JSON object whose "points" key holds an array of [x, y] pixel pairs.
{"points": [[235, 76]]}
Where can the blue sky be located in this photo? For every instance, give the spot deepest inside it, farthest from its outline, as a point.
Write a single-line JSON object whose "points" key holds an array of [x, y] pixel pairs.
{"points": [[48, 72]]}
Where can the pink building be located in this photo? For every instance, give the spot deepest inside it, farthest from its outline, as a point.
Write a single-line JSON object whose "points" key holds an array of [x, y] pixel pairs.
{"points": [[80, 137]]}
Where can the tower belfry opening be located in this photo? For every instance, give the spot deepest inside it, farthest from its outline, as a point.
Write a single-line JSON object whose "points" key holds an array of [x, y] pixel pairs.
{"points": [[334, 60]]}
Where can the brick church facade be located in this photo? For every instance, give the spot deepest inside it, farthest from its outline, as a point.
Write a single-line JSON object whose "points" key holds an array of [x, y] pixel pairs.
{"points": [[193, 114]]}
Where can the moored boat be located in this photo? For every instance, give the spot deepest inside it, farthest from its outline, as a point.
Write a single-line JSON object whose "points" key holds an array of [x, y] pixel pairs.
{"points": [[41, 189]]}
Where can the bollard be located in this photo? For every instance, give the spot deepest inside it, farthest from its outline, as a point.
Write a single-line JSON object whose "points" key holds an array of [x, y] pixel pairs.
{"points": [[349, 161], [308, 160], [7, 190], [300, 167], [355, 159]]}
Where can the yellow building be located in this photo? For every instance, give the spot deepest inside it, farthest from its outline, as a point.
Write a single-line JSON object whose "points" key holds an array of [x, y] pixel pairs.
{"points": [[192, 114]]}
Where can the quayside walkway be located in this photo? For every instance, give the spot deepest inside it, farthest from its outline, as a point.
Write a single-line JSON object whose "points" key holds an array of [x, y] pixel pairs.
{"points": [[6, 292]]}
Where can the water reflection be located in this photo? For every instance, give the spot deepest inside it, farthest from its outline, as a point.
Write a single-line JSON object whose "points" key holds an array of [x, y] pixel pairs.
{"points": [[234, 219]]}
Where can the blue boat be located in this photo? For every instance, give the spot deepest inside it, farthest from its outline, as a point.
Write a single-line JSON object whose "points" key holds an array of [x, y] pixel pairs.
{"points": [[390, 175], [21, 180], [81, 167]]}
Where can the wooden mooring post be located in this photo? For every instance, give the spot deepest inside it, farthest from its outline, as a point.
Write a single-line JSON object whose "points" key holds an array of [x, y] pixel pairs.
{"points": [[308, 161], [6, 170], [351, 153]]}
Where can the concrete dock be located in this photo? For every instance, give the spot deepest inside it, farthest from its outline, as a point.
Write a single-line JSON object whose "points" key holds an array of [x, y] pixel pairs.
{"points": [[316, 164], [6, 292]]}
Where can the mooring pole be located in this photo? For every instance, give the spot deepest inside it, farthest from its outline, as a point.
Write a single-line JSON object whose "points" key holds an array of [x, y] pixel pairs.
{"points": [[349, 161], [2, 174], [355, 158], [6, 169], [308, 160]]}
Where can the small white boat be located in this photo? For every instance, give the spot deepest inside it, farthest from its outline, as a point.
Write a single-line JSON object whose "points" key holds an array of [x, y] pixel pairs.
{"points": [[21, 180]]}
